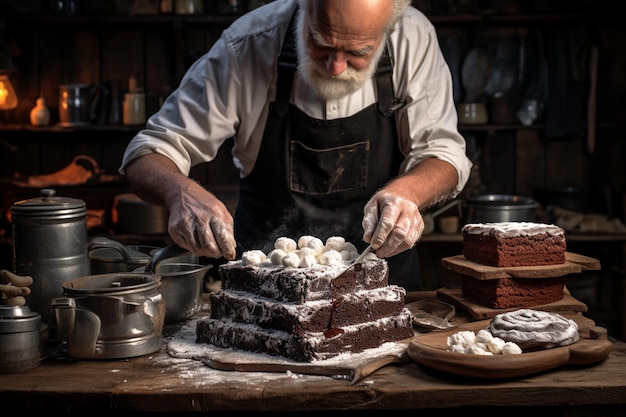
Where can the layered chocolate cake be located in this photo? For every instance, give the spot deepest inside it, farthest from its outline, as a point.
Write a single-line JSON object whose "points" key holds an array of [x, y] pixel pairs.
{"points": [[513, 244], [510, 244], [301, 301]]}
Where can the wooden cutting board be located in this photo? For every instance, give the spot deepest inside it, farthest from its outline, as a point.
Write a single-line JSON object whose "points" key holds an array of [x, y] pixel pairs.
{"points": [[574, 263], [481, 312], [430, 350]]}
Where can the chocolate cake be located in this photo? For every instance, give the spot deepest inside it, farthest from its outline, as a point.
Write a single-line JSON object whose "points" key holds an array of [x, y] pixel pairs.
{"points": [[510, 244], [305, 313], [513, 292]]}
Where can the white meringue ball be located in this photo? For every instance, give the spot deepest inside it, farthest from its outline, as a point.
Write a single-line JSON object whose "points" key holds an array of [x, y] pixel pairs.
{"points": [[484, 336], [349, 247], [307, 261], [303, 252], [330, 257], [347, 255], [276, 256], [291, 259], [304, 240], [286, 244], [511, 348], [335, 242], [316, 244], [253, 257]]}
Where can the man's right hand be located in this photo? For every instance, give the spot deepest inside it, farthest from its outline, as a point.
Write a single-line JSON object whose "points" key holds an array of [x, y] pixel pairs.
{"points": [[199, 221]]}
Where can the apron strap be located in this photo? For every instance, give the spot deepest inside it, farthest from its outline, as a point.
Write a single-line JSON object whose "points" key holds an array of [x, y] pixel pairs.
{"points": [[287, 66], [384, 84]]}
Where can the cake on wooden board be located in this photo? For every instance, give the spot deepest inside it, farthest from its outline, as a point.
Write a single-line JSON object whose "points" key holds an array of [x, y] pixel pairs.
{"points": [[510, 244], [513, 292], [305, 310], [513, 244]]}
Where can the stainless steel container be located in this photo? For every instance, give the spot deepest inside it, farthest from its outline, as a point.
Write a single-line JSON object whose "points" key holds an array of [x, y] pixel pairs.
{"points": [[182, 285], [50, 245], [500, 208], [20, 339], [110, 316]]}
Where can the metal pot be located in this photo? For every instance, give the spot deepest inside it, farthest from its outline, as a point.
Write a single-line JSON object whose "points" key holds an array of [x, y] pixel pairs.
{"points": [[50, 245], [132, 215], [107, 255], [20, 339], [108, 316], [491, 208]]}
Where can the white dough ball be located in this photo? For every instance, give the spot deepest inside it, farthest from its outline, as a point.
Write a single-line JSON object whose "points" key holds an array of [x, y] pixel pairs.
{"points": [[349, 247], [286, 244], [304, 240], [511, 348], [495, 345], [291, 259], [307, 261], [347, 255], [477, 349], [335, 242], [316, 244], [305, 252], [464, 337], [253, 257], [484, 336], [276, 256], [330, 257]]}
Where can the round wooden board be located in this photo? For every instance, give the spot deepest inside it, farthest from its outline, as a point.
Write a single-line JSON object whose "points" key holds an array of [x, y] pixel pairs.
{"points": [[431, 350]]}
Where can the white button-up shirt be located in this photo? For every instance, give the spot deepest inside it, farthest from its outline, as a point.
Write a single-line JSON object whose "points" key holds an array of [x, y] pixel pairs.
{"points": [[227, 92]]}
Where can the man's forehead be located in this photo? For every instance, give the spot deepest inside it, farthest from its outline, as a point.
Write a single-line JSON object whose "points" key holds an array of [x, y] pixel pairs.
{"points": [[346, 25]]}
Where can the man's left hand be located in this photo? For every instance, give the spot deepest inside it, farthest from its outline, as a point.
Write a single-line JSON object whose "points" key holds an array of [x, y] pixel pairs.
{"points": [[391, 223]]}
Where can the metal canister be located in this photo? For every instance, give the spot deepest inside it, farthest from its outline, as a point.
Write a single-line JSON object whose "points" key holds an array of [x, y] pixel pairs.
{"points": [[20, 339], [50, 245]]}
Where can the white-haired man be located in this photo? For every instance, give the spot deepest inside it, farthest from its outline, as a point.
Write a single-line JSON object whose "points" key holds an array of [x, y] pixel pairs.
{"points": [[343, 121]]}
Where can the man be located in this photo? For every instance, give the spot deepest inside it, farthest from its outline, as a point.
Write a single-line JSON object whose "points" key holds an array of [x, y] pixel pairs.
{"points": [[343, 125]]}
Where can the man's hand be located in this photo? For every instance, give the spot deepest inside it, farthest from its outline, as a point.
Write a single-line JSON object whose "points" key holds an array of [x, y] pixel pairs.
{"points": [[200, 223], [391, 223]]}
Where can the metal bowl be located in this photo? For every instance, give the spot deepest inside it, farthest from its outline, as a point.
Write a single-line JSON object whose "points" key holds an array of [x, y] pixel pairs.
{"points": [[181, 287]]}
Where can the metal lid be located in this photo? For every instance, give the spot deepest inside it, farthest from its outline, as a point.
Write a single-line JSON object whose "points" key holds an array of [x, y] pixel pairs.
{"points": [[49, 205], [17, 319]]}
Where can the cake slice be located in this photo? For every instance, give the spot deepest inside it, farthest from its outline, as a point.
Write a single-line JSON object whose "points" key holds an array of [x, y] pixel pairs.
{"points": [[510, 244]]}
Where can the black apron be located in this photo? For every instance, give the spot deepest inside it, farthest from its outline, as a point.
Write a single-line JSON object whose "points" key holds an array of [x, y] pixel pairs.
{"points": [[313, 177]]}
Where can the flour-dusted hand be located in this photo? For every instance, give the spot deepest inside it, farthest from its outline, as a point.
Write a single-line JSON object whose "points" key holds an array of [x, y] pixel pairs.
{"points": [[202, 224], [391, 223]]}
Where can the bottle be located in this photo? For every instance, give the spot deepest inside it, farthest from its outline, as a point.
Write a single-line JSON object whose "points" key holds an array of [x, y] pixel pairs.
{"points": [[166, 7], [134, 106], [40, 115]]}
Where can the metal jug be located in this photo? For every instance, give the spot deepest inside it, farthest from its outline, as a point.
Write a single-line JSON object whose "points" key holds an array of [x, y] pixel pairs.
{"points": [[82, 104], [50, 245]]}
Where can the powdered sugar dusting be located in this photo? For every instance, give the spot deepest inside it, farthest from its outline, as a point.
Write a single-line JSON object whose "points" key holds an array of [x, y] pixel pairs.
{"points": [[512, 229]]}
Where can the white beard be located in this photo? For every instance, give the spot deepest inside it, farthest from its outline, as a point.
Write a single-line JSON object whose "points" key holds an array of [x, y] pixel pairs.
{"points": [[314, 73]]}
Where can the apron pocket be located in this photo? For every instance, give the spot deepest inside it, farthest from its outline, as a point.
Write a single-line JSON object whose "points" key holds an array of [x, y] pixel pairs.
{"points": [[330, 170]]}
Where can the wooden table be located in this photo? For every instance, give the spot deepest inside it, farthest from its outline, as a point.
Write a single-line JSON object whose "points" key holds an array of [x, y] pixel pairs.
{"points": [[158, 382]]}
